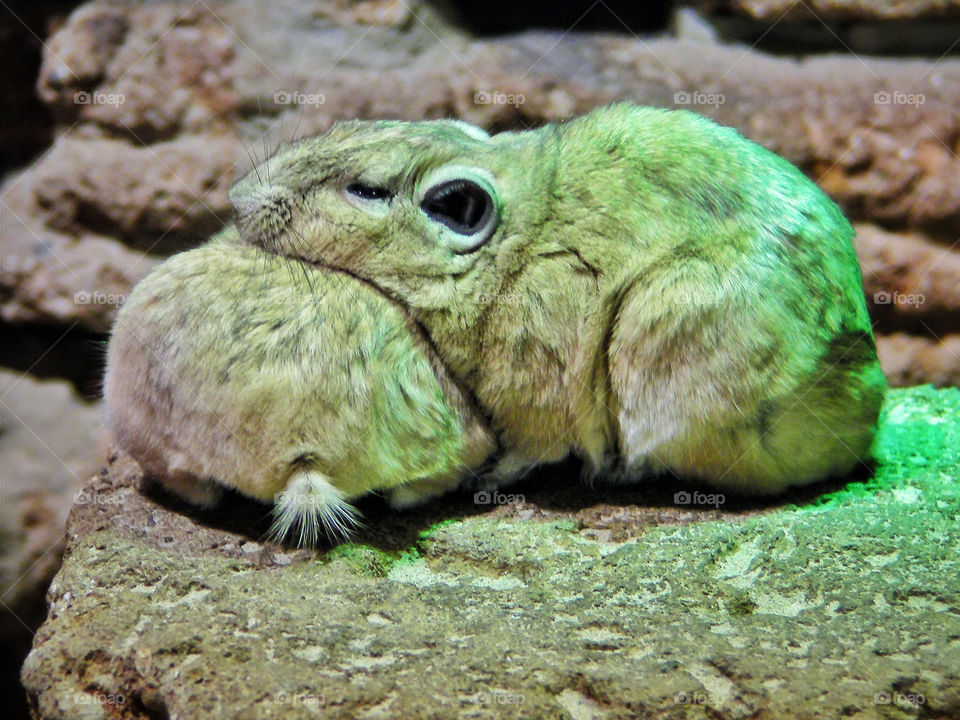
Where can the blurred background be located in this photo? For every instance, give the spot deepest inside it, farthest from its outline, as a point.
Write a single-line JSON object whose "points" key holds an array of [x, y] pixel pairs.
{"points": [[125, 122]]}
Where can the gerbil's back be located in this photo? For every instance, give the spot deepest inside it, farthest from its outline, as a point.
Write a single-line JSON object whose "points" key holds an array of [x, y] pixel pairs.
{"points": [[744, 323], [678, 178]]}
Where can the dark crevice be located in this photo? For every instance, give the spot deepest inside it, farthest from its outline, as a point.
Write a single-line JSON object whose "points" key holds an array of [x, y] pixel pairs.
{"points": [[933, 324], [26, 124], [510, 16], [12, 654], [91, 217], [78, 355], [903, 39], [164, 244], [141, 135]]}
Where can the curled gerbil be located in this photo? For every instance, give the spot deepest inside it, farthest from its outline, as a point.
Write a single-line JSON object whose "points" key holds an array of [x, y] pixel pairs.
{"points": [[295, 385], [643, 288]]}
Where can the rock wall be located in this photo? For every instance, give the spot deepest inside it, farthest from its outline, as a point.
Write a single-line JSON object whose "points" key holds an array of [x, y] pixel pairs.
{"points": [[160, 106], [51, 444]]}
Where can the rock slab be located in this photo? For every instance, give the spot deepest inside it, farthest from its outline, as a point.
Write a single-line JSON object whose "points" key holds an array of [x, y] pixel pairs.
{"points": [[550, 601], [48, 445]]}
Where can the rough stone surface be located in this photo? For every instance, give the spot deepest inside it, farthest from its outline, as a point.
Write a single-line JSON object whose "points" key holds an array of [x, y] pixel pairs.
{"points": [[838, 9], [842, 601], [49, 276], [48, 452], [50, 446], [913, 284], [908, 359], [49, 440]]}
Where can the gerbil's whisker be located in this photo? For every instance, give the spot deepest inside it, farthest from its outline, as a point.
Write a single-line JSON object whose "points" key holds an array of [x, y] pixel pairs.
{"points": [[262, 258], [306, 274], [266, 157], [256, 168], [296, 128]]}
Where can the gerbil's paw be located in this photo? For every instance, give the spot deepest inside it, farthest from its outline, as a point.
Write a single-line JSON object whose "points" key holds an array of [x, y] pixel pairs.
{"points": [[309, 502], [508, 469], [500, 472], [420, 491]]}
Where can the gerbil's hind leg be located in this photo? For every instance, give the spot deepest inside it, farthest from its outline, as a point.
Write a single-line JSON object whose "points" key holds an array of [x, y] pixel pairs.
{"points": [[717, 389], [188, 487], [311, 501]]}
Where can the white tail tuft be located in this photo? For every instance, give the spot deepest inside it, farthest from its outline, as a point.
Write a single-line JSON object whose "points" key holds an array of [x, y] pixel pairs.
{"points": [[310, 501]]}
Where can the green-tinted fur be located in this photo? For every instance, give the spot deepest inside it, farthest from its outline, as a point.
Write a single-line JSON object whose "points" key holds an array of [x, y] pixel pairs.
{"points": [[658, 293], [232, 366], [651, 292]]}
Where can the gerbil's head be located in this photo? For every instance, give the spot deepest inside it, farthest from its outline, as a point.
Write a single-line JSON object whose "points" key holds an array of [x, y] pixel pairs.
{"points": [[430, 211]]}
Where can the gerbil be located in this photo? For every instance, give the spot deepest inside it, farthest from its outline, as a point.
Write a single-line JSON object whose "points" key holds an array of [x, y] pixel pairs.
{"points": [[643, 288], [230, 366]]}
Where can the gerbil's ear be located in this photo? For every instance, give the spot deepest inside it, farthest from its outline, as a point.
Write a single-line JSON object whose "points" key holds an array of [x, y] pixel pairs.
{"points": [[310, 501], [463, 204], [474, 131]]}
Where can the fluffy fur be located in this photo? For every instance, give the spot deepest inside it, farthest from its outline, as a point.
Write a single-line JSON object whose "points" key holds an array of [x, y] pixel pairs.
{"points": [[293, 384], [659, 294]]}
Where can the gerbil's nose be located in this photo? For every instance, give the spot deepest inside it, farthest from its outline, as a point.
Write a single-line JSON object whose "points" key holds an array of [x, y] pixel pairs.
{"points": [[242, 196], [252, 198]]}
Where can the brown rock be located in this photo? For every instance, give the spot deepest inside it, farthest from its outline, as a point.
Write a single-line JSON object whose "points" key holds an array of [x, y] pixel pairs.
{"points": [[149, 71], [153, 142], [877, 133], [912, 283], [776, 10], [175, 96], [166, 68], [142, 193], [51, 276], [48, 451], [49, 441], [909, 360]]}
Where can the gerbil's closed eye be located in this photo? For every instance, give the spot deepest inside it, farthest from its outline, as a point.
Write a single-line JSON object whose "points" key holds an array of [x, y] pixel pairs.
{"points": [[369, 192], [463, 205]]}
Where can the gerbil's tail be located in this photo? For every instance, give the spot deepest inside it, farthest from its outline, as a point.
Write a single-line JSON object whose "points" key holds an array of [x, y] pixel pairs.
{"points": [[310, 501]]}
